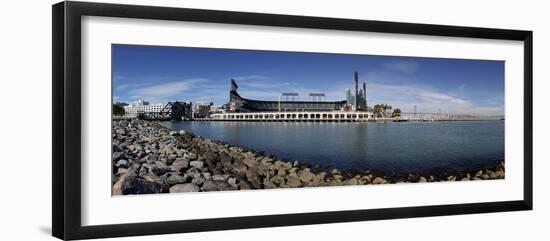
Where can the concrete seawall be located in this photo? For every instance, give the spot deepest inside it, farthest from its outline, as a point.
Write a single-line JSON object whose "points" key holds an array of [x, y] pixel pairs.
{"points": [[149, 158]]}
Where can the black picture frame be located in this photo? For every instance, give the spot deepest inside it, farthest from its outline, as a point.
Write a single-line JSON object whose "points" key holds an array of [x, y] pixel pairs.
{"points": [[66, 128]]}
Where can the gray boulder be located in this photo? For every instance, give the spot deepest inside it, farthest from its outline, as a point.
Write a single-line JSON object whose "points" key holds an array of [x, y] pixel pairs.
{"points": [[122, 163], [190, 156], [250, 162], [292, 180], [379, 180], [187, 187], [179, 165], [217, 178], [176, 179], [121, 171], [305, 175], [197, 164], [318, 179], [352, 181], [253, 177]]}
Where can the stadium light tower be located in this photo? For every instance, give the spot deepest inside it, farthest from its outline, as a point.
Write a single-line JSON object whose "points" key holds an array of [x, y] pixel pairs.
{"points": [[317, 96], [291, 96]]}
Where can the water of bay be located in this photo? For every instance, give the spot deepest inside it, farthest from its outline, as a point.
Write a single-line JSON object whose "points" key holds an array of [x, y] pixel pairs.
{"points": [[402, 147]]}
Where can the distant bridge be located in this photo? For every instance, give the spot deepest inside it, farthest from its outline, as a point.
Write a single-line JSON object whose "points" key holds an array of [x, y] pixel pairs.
{"points": [[447, 116]]}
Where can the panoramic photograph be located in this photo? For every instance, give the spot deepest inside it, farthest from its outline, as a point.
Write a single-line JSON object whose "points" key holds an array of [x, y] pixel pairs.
{"points": [[187, 119]]}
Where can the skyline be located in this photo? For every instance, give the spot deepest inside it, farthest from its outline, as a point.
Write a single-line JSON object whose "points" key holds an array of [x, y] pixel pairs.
{"points": [[161, 74]]}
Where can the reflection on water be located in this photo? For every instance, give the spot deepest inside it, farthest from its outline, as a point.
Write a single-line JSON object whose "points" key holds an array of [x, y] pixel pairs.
{"points": [[399, 147]]}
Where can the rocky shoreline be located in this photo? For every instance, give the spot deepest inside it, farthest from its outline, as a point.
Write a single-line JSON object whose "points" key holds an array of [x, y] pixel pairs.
{"points": [[150, 158]]}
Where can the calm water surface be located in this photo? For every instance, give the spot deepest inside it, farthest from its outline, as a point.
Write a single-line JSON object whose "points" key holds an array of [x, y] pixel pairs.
{"points": [[398, 147]]}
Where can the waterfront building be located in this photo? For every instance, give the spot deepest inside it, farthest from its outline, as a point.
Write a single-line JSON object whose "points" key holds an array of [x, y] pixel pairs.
{"points": [[201, 109], [217, 109], [142, 107], [318, 116]]}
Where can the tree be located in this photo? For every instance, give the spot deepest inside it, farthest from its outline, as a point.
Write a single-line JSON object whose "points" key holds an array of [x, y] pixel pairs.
{"points": [[380, 109], [118, 110], [397, 112]]}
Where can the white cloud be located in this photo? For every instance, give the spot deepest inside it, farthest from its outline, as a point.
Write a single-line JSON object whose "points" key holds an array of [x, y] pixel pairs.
{"points": [[250, 77], [431, 96], [123, 87], [262, 85], [426, 99], [166, 89]]}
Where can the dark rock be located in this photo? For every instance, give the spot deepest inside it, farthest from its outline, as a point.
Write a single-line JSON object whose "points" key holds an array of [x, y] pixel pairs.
{"points": [[118, 156], [224, 158], [244, 185], [253, 177], [129, 184], [478, 173], [157, 168], [216, 186]]}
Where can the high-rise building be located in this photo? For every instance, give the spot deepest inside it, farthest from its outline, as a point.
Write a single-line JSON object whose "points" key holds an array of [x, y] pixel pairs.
{"points": [[349, 96], [360, 95]]}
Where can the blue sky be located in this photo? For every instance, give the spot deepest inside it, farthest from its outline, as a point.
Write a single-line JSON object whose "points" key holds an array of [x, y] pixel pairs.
{"points": [[161, 74]]}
